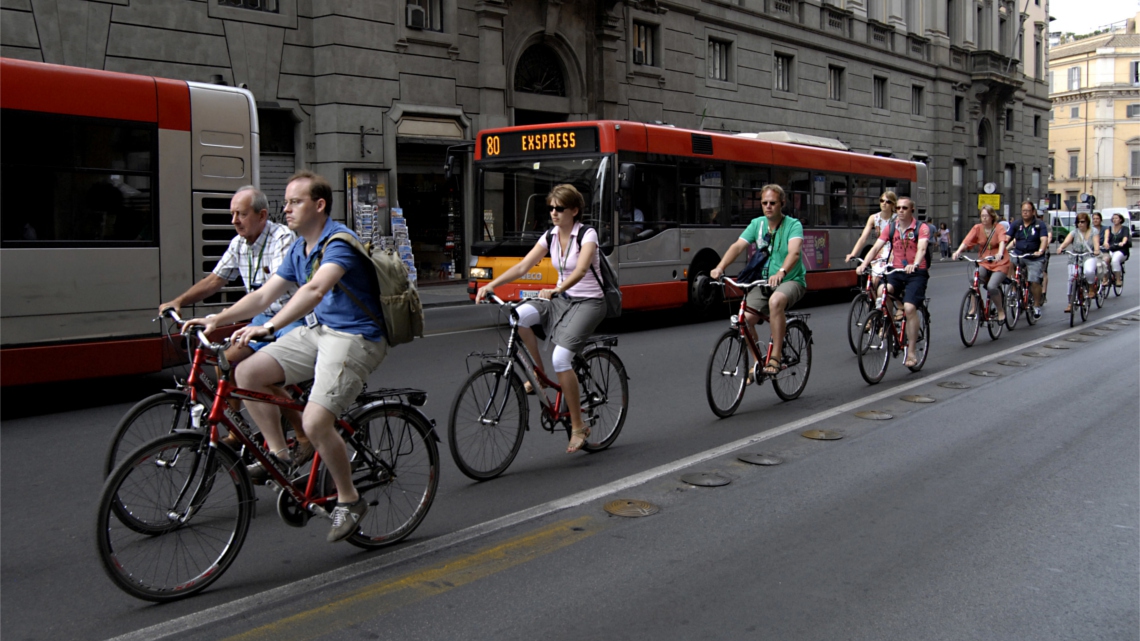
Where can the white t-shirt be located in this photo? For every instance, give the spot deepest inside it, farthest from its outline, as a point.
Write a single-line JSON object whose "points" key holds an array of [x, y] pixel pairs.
{"points": [[588, 287]]}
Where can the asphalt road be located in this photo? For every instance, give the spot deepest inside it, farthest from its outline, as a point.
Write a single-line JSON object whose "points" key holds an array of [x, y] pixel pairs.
{"points": [[53, 440]]}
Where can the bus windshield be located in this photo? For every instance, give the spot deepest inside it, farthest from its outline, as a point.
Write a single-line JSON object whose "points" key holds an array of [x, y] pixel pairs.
{"points": [[512, 212]]}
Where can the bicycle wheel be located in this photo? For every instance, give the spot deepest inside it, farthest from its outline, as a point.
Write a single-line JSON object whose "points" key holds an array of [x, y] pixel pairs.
{"points": [[993, 325], [198, 501], [485, 427], [859, 308], [1027, 303], [727, 374], [1086, 305], [969, 322], [1102, 293], [399, 476], [1012, 298], [604, 391], [796, 364], [1074, 304], [150, 418], [875, 346], [1117, 289], [922, 344]]}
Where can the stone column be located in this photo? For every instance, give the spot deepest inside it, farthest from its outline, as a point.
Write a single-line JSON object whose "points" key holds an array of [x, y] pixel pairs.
{"points": [[492, 64]]}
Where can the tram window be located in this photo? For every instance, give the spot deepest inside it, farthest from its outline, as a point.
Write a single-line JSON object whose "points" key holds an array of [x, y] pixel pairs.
{"points": [[69, 181]]}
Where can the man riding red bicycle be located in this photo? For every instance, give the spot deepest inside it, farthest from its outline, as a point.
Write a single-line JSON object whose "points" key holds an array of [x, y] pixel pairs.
{"points": [[908, 253]]}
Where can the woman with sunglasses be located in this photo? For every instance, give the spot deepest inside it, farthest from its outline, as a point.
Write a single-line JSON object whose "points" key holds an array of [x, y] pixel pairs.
{"points": [[876, 223], [570, 310], [1083, 240]]}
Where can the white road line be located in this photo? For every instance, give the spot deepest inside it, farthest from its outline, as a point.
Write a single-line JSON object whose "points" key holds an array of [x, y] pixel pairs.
{"points": [[290, 591]]}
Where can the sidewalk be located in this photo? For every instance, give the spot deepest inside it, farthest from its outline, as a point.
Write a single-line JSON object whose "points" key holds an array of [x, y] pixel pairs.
{"points": [[445, 294]]}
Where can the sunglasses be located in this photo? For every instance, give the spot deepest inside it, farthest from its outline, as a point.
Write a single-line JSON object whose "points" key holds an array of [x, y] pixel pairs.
{"points": [[767, 203], [557, 208], [884, 200]]}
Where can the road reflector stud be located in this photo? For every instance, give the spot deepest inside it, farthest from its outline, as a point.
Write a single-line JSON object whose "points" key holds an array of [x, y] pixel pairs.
{"points": [[705, 479], [917, 398], [1132, 318], [760, 458], [822, 435], [1077, 339], [954, 385], [984, 372], [1091, 333], [1106, 326], [630, 508], [1011, 363], [1056, 346]]}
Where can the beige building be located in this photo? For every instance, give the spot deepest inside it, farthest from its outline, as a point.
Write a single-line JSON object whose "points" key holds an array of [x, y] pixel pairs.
{"points": [[1094, 133]]}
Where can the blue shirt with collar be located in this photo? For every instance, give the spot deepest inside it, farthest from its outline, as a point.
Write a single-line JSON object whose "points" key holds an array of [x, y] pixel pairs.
{"points": [[336, 310], [1027, 240]]}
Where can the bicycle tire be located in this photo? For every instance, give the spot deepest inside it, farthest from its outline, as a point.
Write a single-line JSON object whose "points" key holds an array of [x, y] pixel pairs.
{"points": [[154, 416], [795, 368], [727, 374], [1012, 298], [875, 346], [1118, 289], [1086, 305], [1074, 304], [1027, 303], [210, 489], [968, 327], [483, 451], [604, 393], [993, 325], [859, 308], [1102, 289], [922, 344], [400, 494]]}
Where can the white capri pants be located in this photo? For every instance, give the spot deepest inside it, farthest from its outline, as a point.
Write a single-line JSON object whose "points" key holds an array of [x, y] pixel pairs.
{"points": [[562, 358], [1117, 262], [1089, 268]]}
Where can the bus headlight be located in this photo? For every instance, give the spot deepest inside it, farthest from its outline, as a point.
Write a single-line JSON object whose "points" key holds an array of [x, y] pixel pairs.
{"points": [[482, 273]]}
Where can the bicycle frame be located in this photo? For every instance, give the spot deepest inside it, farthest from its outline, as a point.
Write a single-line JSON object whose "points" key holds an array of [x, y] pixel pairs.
{"points": [[976, 285], [747, 332]]}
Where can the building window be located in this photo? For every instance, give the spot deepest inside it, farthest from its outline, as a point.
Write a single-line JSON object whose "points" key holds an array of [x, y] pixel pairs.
{"points": [[1009, 120], [952, 21], [1135, 169], [1134, 73], [644, 44], [425, 14], [782, 73], [1050, 115], [1051, 166], [916, 100], [268, 6], [539, 71], [881, 93], [1038, 59], [1073, 160], [958, 103], [1133, 111], [1036, 126], [1074, 78], [835, 83], [1075, 112], [718, 59]]}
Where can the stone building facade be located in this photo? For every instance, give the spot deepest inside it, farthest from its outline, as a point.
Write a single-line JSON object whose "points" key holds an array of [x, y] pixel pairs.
{"points": [[374, 92], [1094, 139]]}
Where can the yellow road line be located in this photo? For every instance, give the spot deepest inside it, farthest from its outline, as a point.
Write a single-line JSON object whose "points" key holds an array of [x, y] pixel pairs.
{"points": [[374, 600]]}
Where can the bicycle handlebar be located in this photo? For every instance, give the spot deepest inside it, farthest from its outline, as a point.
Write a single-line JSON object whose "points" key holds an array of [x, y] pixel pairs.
{"points": [[200, 334], [1072, 253], [987, 259], [743, 286]]}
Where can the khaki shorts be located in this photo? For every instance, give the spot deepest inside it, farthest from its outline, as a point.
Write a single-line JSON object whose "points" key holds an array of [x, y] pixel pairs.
{"points": [[338, 363], [790, 288]]}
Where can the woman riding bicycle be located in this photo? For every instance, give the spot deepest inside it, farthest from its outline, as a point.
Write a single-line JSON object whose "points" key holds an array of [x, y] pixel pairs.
{"points": [[1117, 242], [571, 310], [872, 230], [1084, 241], [989, 237]]}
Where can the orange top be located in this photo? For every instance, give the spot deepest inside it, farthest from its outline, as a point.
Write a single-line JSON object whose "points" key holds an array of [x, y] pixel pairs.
{"points": [[977, 238]]}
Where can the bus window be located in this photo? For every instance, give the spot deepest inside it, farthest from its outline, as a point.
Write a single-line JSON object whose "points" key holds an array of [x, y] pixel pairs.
{"points": [[77, 181], [650, 206], [865, 194], [838, 202], [797, 186], [702, 194], [747, 180]]}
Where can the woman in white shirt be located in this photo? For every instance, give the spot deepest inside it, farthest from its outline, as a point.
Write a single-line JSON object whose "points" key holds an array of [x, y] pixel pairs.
{"points": [[569, 311]]}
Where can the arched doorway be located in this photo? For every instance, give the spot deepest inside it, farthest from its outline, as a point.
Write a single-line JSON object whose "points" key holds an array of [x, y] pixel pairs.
{"points": [[541, 87]]}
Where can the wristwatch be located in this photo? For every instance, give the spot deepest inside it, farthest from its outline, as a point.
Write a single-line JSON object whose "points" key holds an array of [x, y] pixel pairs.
{"points": [[781, 270], [270, 327]]}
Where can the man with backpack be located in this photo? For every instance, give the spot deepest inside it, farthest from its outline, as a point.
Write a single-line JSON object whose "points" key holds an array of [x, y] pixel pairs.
{"points": [[910, 252], [340, 344]]}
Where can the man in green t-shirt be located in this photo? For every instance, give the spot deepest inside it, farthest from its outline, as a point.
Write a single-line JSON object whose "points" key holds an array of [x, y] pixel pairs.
{"points": [[784, 271]]}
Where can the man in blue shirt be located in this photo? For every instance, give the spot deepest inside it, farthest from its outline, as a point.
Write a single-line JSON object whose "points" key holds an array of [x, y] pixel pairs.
{"points": [[339, 346], [1031, 240]]}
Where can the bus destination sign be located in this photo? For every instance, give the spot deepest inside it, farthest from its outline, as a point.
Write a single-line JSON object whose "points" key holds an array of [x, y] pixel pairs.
{"points": [[566, 140]]}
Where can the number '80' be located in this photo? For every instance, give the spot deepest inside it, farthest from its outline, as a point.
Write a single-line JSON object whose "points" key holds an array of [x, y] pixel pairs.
{"points": [[493, 147]]}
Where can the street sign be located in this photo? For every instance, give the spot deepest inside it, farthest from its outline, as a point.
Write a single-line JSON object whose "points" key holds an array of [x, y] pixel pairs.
{"points": [[993, 200]]}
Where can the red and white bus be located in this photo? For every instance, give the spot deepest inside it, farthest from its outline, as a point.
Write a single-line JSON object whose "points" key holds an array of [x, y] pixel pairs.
{"points": [[668, 202], [115, 197]]}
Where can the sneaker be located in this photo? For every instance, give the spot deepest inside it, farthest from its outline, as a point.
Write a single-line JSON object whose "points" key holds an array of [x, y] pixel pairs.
{"points": [[302, 454], [258, 475], [1036, 312], [345, 519]]}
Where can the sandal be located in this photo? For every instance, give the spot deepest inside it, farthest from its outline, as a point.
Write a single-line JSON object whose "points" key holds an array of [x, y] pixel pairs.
{"points": [[772, 368], [583, 434], [910, 361]]}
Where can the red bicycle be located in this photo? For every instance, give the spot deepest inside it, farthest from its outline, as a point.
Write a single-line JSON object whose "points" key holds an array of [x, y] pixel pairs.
{"points": [[1018, 299], [728, 371], [883, 336], [174, 513], [977, 308]]}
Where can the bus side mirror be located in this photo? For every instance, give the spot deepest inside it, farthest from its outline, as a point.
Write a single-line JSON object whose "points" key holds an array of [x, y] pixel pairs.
{"points": [[625, 175], [449, 167]]}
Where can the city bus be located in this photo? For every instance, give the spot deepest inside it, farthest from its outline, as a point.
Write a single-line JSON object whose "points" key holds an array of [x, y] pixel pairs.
{"points": [[115, 193], [667, 202]]}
